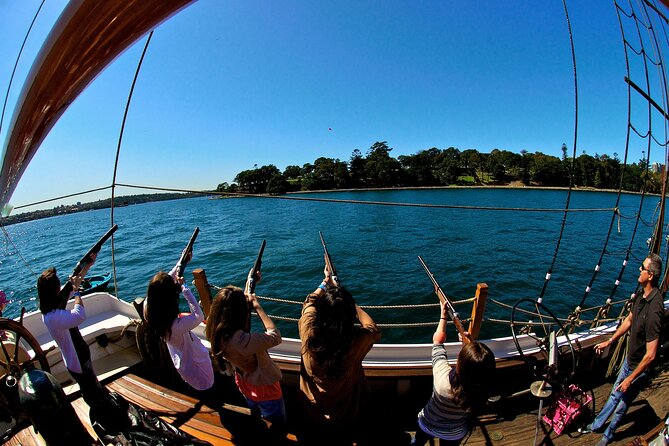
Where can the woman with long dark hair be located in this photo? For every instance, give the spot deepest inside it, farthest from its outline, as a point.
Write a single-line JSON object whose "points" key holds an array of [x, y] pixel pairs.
{"points": [[161, 311], [257, 376], [333, 388], [457, 392]]}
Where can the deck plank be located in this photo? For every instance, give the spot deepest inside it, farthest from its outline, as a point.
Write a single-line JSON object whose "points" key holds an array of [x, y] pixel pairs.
{"points": [[218, 423], [26, 437], [510, 422], [515, 426]]}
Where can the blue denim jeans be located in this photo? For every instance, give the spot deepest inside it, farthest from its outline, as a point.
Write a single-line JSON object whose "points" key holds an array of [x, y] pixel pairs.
{"points": [[273, 410], [617, 403]]}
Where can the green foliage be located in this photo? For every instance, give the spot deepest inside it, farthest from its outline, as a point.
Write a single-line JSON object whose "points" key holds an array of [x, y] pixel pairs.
{"points": [[437, 167], [255, 181], [278, 185], [327, 173]]}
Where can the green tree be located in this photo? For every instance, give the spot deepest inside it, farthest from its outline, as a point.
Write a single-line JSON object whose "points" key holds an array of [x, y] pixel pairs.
{"points": [[584, 170], [292, 172], [255, 181], [418, 169], [278, 185], [381, 169], [447, 166], [357, 169], [547, 170], [327, 173]]}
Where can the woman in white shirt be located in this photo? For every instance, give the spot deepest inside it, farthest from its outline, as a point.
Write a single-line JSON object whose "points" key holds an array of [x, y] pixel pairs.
{"points": [[189, 356]]}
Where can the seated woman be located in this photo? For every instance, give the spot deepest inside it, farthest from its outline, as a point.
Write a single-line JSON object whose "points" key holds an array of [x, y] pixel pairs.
{"points": [[257, 376], [333, 387], [189, 356], [457, 392]]}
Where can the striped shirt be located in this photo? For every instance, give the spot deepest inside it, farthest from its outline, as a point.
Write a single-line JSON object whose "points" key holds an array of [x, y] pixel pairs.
{"points": [[442, 417]]}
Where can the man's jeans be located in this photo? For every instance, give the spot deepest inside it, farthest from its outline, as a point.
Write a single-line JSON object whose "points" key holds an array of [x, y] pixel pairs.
{"points": [[617, 403]]}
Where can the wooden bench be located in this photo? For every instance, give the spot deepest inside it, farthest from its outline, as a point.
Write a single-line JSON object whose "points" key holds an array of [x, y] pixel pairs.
{"points": [[226, 425]]}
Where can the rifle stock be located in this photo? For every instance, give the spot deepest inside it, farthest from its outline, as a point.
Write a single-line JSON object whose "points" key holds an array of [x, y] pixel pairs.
{"points": [[328, 262], [447, 302], [183, 260], [67, 288]]}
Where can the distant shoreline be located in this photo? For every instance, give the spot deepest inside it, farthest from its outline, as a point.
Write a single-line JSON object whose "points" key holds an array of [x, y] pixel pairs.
{"points": [[478, 186], [148, 198]]}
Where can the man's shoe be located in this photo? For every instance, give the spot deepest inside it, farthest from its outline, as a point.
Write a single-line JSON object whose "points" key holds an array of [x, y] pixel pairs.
{"points": [[584, 430]]}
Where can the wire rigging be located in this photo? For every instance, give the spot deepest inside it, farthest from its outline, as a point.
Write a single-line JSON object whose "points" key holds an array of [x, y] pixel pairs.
{"points": [[16, 63], [118, 152], [573, 162]]}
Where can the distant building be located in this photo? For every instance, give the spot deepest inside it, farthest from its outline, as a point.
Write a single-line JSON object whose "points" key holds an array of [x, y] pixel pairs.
{"points": [[656, 167]]}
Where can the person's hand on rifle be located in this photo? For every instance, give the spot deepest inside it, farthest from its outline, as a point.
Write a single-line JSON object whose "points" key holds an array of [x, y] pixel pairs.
{"points": [[252, 301], [328, 280], [76, 281], [258, 278], [464, 335], [189, 255], [87, 266]]}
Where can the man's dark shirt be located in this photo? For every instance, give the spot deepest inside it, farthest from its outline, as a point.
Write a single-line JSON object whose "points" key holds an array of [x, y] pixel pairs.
{"points": [[646, 325]]}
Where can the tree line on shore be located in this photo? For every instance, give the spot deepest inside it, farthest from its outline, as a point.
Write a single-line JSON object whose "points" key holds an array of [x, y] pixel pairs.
{"points": [[93, 205], [451, 166]]}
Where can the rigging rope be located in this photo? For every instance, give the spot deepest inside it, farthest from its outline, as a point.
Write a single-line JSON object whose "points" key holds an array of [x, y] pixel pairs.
{"points": [[62, 197], [573, 159], [16, 250], [16, 63], [118, 152], [375, 203]]}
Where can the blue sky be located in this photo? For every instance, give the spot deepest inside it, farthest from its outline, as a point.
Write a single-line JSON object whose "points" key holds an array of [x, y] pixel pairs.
{"points": [[226, 85]]}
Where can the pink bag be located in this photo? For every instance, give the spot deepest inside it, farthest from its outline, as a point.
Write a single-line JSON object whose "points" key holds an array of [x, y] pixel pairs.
{"points": [[566, 408]]}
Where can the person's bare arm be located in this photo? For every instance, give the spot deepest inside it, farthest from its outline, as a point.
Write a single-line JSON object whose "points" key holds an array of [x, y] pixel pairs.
{"points": [[648, 358], [622, 329]]}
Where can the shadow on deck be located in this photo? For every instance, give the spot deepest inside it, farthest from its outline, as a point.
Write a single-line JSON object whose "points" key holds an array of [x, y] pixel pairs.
{"points": [[226, 421]]}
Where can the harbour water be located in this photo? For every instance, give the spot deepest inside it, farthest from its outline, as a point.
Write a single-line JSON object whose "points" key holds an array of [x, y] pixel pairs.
{"points": [[374, 248]]}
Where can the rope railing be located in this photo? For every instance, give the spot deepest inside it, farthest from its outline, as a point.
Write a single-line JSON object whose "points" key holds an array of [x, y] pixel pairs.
{"points": [[383, 325], [579, 322], [364, 307]]}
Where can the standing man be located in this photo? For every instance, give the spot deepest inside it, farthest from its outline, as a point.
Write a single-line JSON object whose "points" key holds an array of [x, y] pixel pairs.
{"points": [[63, 325], [644, 323]]}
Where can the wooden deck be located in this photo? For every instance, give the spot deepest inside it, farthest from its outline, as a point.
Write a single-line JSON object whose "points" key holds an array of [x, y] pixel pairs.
{"points": [[512, 421], [509, 424]]}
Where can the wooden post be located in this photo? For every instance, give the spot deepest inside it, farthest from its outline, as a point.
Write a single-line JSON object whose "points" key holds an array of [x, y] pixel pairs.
{"points": [[478, 309], [202, 289]]}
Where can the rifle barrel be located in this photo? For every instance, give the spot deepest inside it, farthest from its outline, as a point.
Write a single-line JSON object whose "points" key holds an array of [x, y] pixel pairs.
{"points": [[328, 261], [256, 268], [447, 302], [183, 260], [68, 287]]}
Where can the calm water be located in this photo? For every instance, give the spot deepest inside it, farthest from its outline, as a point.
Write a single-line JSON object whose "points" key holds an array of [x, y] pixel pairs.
{"points": [[374, 248]]}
